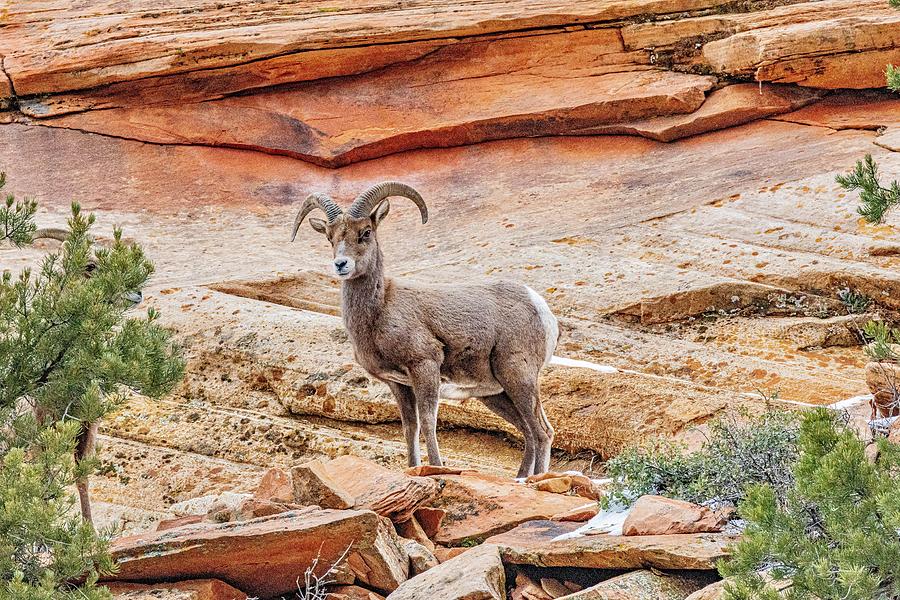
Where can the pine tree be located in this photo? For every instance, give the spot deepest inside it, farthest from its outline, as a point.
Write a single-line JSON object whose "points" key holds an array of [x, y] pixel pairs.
{"points": [[67, 346], [16, 218], [45, 547], [834, 536], [875, 199]]}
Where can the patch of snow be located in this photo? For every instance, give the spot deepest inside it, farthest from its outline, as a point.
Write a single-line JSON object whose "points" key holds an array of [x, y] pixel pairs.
{"points": [[882, 425], [572, 362], [608, 521], [849, 402]]}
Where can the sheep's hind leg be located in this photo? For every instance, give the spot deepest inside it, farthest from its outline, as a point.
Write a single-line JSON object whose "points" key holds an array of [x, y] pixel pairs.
{"points": [[409, 418], [522, 389], [501, 405], [426, 383]]}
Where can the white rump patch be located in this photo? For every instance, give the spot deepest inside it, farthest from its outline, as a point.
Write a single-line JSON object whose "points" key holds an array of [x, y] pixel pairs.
{"points": [[453, 391], [551, 327]]}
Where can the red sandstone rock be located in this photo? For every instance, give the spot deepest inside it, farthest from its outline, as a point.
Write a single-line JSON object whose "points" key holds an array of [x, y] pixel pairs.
{"points": [[528, 589], [388, 493], [420, 557], [430, 520], [429, 470], [178, 522], [727, 107], [197, 589], [411, 529], [584, 513], [580, 484], [265, 556], [276, 486], [443, 554], [656, 515], [313, 485], [249, 509], [476, 574], [555, 485], [533, 543], [351, 592], [480, 505], [641, 584]]}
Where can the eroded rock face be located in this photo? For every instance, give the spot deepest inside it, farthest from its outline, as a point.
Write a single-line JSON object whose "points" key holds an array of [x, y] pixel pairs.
{"points": [[534, 543], [198, 589], [265, 556], [313, 486], [476, 574], [656, 515], [641, 584]]}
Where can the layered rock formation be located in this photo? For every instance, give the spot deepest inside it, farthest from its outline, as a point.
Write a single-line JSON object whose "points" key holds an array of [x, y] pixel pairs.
{"points": [[662, 171]]}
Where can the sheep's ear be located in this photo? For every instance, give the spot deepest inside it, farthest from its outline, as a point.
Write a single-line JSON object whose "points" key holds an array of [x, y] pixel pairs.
{"points": [[318, 225], [381, 212]]}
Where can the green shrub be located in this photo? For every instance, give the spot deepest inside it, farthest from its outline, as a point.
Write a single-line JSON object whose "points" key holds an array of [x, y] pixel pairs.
{"points": [[736, 454], [881, 339], [834, 534]]}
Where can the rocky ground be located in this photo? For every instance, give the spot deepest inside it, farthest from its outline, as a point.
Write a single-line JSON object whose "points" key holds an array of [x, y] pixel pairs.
{"points": [[661, 170]]}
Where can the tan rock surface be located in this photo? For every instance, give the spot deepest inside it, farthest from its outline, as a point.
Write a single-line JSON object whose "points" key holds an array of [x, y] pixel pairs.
{"points": [[198, 589], [476, 574], [656, 515], [643, 584], [265, 556], [480, 505], [533, 543]]}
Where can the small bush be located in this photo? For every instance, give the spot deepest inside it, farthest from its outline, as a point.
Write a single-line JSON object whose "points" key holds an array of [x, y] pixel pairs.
{"points": [[834, 534], [737, 453], [881, 340]]}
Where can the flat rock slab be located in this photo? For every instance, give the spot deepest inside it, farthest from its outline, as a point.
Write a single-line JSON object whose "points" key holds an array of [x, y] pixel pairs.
{"points": [[197, 589], [726, 107], [476, 574], [868, 109], [265, 556], [641, 585], [533, 543], [480, 505]]}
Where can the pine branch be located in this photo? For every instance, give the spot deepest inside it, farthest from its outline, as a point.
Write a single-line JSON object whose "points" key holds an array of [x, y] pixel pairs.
{"points": [[875, 199], [16, 218]]}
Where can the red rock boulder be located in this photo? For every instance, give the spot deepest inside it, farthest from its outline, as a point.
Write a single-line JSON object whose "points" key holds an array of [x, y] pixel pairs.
{"points": [[656, 515]]}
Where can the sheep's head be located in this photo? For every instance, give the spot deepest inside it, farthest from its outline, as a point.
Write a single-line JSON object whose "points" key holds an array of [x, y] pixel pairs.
{"points": [[353, 234]]}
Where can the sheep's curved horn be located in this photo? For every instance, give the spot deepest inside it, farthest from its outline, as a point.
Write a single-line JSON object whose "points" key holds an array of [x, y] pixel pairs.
{"points": [[321, 201], [366, 202], [51, 233]]}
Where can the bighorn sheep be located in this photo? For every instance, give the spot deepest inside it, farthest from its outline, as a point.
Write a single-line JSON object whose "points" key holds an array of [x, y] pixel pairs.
{"points": [[484, 340]]}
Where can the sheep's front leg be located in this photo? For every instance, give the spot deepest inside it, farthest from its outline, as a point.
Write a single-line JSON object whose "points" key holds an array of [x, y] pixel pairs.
{"points": [[409, 418], [426, 383]]}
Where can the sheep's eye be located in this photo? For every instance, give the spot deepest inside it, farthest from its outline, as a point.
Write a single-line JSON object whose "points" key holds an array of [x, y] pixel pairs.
{"points": [[365, 235]]}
